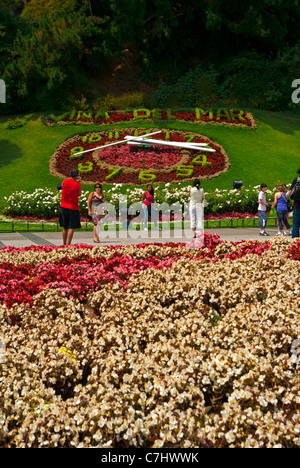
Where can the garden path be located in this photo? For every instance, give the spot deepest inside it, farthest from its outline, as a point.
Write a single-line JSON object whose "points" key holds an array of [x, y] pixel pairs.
{"points": [[24, 239]]}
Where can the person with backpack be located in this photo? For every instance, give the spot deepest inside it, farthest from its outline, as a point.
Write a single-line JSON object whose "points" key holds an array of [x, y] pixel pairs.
{"points": [[294, 194], [281, 200]]}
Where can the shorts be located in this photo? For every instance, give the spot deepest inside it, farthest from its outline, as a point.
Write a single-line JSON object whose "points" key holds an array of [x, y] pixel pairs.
{"points": [[69, 219]]}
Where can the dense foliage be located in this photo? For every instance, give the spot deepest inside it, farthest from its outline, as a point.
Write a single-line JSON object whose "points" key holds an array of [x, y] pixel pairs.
{"points": [[44, 203], [51, 48]]}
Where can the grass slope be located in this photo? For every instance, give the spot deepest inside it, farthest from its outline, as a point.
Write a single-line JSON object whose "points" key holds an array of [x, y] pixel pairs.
{"points": [[270, 154]]}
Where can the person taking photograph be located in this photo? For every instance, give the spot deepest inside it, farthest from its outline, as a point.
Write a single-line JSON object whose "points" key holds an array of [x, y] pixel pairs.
{"points": [[69, 218]]}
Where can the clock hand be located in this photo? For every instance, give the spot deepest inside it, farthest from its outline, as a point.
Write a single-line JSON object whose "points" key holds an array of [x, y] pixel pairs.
{"points": [[127, 138]]}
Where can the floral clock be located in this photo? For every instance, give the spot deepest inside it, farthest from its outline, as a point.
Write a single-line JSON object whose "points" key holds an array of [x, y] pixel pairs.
{"points": [[134, 164]]}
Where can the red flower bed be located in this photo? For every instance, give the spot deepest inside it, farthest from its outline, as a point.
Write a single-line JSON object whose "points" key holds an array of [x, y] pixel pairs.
{"points": [[229, 215], [133, 165], [84, 271], [156, 157], [294, 251]]}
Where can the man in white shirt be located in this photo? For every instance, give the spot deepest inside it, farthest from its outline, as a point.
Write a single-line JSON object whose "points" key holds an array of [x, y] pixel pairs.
{"points": [[262, 209]]}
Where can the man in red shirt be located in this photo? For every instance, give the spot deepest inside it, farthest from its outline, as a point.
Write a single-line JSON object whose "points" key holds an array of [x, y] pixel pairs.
{"points": [[69, 218]]}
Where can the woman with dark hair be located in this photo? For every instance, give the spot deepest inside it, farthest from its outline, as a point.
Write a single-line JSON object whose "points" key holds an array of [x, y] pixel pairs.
{"points": [[96, 207], [149, 209], [197, 198]]}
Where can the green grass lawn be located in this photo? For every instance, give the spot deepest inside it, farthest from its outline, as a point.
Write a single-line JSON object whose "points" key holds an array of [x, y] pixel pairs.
{"points": [[270, 154]]}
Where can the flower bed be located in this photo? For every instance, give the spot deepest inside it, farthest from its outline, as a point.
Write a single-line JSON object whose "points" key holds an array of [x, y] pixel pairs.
{"points": [[229, 117], [44, 203], [151, 346], [134, 165]]}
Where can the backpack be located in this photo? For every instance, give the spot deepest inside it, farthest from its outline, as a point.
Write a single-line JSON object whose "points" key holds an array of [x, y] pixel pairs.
{"points": [[295, 193]]}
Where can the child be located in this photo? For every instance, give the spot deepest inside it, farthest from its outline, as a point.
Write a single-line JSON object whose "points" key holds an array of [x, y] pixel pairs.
{"points": [[262, 209]]}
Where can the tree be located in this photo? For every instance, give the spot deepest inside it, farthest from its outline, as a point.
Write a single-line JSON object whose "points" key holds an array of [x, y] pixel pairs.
{"points": [[273, 23], [13, 6], [49, 63], [35, 9], [9, 25]]}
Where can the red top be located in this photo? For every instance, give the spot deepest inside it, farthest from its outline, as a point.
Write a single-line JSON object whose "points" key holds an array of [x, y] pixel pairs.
{"points": [[149, 199], [70, 194]]}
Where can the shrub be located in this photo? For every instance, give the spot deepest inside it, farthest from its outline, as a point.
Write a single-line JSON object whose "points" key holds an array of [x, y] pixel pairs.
{"points": [[261, 82], [15, 123], [198, 87], [44, 203], [128, 100]]}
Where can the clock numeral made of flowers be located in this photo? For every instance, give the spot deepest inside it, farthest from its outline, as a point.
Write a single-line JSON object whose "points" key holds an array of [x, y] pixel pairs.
{"points": [[130, 156]]}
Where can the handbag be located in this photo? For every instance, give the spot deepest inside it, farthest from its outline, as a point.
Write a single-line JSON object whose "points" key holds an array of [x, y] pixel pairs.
{"points": [[288, 202]]}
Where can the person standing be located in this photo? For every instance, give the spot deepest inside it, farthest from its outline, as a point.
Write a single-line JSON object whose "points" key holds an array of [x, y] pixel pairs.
{"points": [[149, 208], [197, 198], [96, 208], [69, 218], [281, 200], [296, 210], [262, 209]]}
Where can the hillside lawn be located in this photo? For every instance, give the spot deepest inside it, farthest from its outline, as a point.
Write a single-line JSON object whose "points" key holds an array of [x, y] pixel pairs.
{"points": [[270, 154]]}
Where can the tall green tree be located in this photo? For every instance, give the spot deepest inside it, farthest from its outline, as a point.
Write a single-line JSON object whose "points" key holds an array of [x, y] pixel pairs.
{"points": [[36, 9], [13, 6], [48, 64], [273, 23], [9, 25]]}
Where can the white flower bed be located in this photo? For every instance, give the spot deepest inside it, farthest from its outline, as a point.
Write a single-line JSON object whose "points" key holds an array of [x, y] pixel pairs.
{"points": [[189, 354]]}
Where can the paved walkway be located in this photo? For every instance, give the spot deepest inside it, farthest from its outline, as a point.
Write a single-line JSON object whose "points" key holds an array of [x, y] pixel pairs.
{"points": [[26, 239]]}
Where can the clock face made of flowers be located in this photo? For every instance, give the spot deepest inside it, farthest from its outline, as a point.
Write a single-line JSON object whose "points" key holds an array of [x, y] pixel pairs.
{"points": [[126, 156]]}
